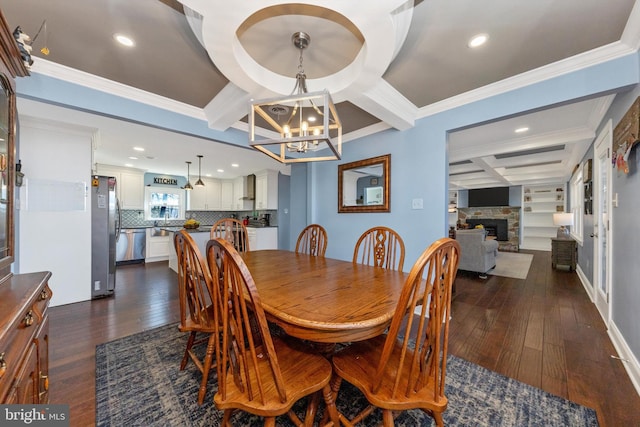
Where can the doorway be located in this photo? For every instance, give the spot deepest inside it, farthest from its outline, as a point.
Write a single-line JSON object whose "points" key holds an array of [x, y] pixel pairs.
{"points": [[602, 222]]}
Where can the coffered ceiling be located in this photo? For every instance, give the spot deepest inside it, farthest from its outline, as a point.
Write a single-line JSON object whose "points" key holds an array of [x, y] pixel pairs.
{"points": [[387, 65]]}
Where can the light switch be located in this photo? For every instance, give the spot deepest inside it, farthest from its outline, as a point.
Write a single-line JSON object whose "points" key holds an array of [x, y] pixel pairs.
{"points": [[416, 204]]}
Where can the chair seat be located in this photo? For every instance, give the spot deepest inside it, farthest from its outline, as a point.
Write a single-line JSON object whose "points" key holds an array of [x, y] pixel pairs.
{"points": [[358, 364], [304, 373], [189, 325]]}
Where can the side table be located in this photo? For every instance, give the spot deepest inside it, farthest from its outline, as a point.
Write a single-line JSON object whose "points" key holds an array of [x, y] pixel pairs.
{"points": [[563, 252]]}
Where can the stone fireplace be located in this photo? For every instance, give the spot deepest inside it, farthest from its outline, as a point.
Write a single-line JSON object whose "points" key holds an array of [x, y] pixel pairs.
{"points": [[505, 221]]}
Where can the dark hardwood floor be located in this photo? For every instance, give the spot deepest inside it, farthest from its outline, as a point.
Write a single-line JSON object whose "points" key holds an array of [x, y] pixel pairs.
{"points": [[543, 331]]}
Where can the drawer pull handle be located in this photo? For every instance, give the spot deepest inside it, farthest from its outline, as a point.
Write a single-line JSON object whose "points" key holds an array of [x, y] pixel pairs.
{"points": [[28, 319], [44, 381], [3, 365], [44, 295]]}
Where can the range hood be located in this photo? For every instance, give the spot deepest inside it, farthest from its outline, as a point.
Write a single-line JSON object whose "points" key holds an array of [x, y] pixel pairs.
{"points": [[250, 188]]}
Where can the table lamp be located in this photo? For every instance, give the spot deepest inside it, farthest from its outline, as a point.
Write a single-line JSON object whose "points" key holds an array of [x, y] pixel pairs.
{"points": [[563, 219]]}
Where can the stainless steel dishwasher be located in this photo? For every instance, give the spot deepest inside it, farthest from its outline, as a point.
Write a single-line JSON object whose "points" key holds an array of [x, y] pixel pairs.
{"points": [[131, 246]]}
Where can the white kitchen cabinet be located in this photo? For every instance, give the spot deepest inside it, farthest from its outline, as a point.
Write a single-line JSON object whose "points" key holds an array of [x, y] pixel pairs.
{"points": [[539, 203], [130, 185], [241, 202], [158, 247], [226, 195], [131, 191], [267, 189], [262, 238], [207, 198]]}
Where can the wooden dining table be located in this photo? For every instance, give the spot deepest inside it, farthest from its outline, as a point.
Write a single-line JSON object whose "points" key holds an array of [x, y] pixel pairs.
{"points": [[322, 299]]}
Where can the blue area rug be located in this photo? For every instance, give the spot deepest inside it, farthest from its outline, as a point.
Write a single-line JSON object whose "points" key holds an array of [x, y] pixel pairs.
{"points": [[138, 383]]}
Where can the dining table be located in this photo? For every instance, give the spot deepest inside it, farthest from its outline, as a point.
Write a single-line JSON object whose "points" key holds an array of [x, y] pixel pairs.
{"points": [[324, 300]]}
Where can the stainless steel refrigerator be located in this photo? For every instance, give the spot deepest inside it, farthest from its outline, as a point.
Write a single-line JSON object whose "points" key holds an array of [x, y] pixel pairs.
{"points": [[105, 227]]}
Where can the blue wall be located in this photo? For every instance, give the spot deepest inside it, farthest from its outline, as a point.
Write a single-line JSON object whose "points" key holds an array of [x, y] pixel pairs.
{"points": [[418, 167]]}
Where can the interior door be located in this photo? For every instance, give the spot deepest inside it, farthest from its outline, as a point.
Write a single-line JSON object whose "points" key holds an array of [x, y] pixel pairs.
{"points": [[602, 223]]}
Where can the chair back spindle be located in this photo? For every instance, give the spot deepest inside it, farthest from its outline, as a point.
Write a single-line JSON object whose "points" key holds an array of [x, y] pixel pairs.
{"points": [[233, 231], [312, 240], [380, 247]]}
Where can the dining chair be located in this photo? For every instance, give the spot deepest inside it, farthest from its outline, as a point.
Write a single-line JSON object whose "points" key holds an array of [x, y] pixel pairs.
{"points": [[233, 231], [257, 372], [397, 372], [196, 305], [312, 240], [380, 247]]}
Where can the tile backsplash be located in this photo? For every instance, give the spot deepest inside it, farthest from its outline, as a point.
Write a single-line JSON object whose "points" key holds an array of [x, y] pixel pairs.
{"points": [[135, 218]]}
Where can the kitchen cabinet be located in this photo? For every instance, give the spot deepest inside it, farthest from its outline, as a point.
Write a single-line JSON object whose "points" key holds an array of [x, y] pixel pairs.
{"points": [[539, 203], [262, 238], [207, 198], [226, 195], [158, 247], [241, 201], [130, 185], [24, 340], [267, 189]]}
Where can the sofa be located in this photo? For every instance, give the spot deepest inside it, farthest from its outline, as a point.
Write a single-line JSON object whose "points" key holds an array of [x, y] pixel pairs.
{"points": [[476, 252]]}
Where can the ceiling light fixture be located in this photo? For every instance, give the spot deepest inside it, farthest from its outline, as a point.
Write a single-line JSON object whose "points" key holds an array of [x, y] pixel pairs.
{"points": [[123, 40], [188, 185], [522, 129], [138, 148], [478, 40], [294, 139], [199, 182]]}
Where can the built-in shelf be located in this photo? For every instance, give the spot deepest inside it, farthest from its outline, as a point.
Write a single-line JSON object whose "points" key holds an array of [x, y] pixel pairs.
{"points": [[539, 203]]}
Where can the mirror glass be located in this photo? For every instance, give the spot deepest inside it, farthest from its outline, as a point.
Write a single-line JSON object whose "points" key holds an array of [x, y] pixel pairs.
{"points": [[364, 186]]}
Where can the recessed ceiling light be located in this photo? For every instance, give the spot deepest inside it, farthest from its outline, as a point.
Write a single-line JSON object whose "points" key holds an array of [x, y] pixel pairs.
{"points": [[138, 148], [220, 170], [123, 40], [478, 40], [522, 129], [235, 165], [129, 165], [133, 158]]}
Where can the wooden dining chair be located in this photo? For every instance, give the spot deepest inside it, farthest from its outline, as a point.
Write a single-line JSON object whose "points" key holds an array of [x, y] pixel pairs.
{"points": [[396, 373], [312, 240], [233, 231], [258, 373], [380, 247], [196, 305]]}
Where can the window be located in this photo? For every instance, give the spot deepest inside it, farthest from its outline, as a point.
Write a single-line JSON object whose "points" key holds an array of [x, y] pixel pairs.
{"points": [[576, 205], [164, 204]]}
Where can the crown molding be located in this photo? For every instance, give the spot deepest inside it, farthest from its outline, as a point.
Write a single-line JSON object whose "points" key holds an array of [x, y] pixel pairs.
{"points": [[587, 59], [91, 81]]}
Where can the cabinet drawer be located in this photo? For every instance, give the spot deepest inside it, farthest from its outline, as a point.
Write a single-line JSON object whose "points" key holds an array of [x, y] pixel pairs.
{"points": [[19, 337]]}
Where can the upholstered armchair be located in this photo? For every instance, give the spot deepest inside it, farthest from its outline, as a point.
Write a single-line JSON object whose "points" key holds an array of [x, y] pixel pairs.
{"points": [[476, 253]]}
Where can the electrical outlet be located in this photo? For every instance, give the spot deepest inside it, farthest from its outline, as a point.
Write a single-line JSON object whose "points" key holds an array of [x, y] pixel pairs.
{"points": [[416, 204]]}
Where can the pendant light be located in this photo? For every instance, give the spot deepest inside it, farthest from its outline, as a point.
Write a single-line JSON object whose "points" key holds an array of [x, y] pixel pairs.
{"points": [[188, 185], [199, 182]]}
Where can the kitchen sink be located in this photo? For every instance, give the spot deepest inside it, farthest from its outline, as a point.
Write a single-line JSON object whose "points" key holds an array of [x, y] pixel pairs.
{"points": [[160, 232]]}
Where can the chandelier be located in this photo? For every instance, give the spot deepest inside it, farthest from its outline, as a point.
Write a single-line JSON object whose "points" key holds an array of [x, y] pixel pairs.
{"points": [[304, 126]]}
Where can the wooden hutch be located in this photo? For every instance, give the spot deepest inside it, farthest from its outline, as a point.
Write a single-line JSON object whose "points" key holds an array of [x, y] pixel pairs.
{"points": [[24, 298]]}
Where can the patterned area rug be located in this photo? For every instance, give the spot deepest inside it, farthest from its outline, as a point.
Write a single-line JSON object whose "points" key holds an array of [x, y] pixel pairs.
{"points": [[511, 264], [138, 383]]}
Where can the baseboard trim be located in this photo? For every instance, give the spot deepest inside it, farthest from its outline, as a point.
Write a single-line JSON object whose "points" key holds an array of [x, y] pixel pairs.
{"points": [[627, 358]]}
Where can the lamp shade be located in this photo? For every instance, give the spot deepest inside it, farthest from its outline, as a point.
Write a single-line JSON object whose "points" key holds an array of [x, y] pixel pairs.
{"points": [[563, 218]]}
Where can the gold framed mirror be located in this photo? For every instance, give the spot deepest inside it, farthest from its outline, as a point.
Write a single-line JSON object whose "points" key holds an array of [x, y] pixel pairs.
{"points": [[365, 185]]}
